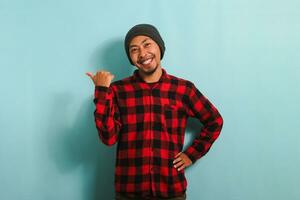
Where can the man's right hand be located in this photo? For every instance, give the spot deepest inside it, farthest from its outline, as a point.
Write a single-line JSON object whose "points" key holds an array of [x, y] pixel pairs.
{"points": [[101, 78]]}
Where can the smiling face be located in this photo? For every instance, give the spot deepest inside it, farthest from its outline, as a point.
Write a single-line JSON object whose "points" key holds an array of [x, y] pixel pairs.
{"points": [[145, 54]]}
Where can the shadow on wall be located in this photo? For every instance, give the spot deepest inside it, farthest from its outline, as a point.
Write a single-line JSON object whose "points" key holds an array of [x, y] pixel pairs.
{"points": [[75, 148], [74, 144], [112, 57]]}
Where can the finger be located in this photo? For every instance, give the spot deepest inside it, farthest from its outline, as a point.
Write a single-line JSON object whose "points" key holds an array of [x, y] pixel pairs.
{"points": [[177, 160], [181, 168], [104, 72], [110, 74], [178, 154], [178, 165]]}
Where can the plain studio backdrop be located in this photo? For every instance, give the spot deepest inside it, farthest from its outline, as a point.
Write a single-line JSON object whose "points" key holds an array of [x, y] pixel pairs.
{"points": [[242, 55]]}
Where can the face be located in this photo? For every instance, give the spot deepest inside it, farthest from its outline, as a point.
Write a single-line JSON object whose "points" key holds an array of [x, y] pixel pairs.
{"points": [[145, 54]]}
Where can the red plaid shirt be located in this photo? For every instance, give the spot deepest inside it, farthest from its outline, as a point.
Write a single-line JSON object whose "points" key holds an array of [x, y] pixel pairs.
{"points": [[148, 121]]}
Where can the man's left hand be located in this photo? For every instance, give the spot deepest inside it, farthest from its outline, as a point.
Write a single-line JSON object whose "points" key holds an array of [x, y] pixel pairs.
{"points": [[181, 161]]}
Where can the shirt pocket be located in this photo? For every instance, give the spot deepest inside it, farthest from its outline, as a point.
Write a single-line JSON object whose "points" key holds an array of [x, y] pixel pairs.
{"points": [[173, 115]]}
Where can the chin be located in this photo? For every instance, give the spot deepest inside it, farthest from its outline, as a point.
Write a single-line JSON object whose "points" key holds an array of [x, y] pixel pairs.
{"points": [[150, 70]]}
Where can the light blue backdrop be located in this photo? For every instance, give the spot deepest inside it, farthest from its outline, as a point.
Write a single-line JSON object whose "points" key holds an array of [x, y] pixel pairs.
{"points": [[243, 55]]}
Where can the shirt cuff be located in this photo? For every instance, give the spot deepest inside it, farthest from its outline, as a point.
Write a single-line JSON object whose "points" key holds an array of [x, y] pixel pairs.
{"points": [[101, 88], [192, 154], [102, 93]]}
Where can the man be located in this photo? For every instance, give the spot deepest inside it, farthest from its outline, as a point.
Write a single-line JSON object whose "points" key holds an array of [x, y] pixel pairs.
{"points": [[146, 114]]}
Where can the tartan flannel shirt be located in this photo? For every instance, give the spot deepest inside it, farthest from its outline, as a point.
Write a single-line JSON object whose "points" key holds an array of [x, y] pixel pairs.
{"points": [[148, 121]]}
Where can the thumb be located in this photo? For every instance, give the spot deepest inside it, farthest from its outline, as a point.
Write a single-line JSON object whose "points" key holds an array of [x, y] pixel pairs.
{"points": [[90, 74]]}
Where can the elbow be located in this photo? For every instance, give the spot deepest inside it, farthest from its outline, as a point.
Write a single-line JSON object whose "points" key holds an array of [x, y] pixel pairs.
{"points": [[220, 121], [108, 139], [108, 143]]}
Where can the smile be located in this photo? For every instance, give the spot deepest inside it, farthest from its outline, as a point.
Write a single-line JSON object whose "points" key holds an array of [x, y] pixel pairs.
{"points": [[146, 62]]}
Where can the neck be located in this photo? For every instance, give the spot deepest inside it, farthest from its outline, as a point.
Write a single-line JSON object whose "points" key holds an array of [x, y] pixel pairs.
{"points": [[152, 78]]}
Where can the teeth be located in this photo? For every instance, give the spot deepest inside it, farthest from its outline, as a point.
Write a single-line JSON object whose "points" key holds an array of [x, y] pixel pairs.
{"points": [[147, 61]]}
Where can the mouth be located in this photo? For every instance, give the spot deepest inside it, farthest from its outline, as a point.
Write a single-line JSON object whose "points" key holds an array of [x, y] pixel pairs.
{"points": [[145, 61]]}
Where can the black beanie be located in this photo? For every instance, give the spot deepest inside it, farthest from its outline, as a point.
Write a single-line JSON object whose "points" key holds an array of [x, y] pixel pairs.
{"points": [[146, 30]]}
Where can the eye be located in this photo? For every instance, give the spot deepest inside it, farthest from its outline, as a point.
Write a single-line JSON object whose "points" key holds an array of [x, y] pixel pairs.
{"points": [[148, 44], [133, 50]]}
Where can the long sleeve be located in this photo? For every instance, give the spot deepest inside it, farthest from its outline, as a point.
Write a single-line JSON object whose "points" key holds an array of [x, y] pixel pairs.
{"points": [[107, 117], [200, 107]]}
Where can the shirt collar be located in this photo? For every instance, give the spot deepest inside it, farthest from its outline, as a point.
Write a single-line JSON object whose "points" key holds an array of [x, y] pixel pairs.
{"points": [[136, 76]]}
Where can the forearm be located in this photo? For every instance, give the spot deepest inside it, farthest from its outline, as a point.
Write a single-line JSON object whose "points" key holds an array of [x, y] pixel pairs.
{"points": [[207, 136], [106, 116]]}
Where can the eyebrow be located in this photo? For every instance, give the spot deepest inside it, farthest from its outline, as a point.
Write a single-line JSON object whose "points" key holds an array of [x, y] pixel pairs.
{"points": [[134, 45]]}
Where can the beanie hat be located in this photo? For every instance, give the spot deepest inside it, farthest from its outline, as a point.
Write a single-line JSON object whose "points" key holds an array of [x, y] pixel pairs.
{"points": [[146, 30]]}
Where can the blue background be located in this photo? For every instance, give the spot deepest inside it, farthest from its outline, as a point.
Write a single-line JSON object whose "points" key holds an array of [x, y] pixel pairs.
{"points": [[243, 55]]}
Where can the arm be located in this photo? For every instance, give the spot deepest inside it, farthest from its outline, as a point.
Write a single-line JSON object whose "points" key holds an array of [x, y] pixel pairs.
{"points": [[200, 107], [107, 117]]}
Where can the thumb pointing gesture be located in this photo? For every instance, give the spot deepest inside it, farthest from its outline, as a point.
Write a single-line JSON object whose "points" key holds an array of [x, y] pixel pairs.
{"points": [[91, 75], [101, 78]]}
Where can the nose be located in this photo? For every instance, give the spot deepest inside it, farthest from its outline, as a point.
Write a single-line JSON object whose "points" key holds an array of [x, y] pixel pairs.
{"points": [[142, 53]]}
